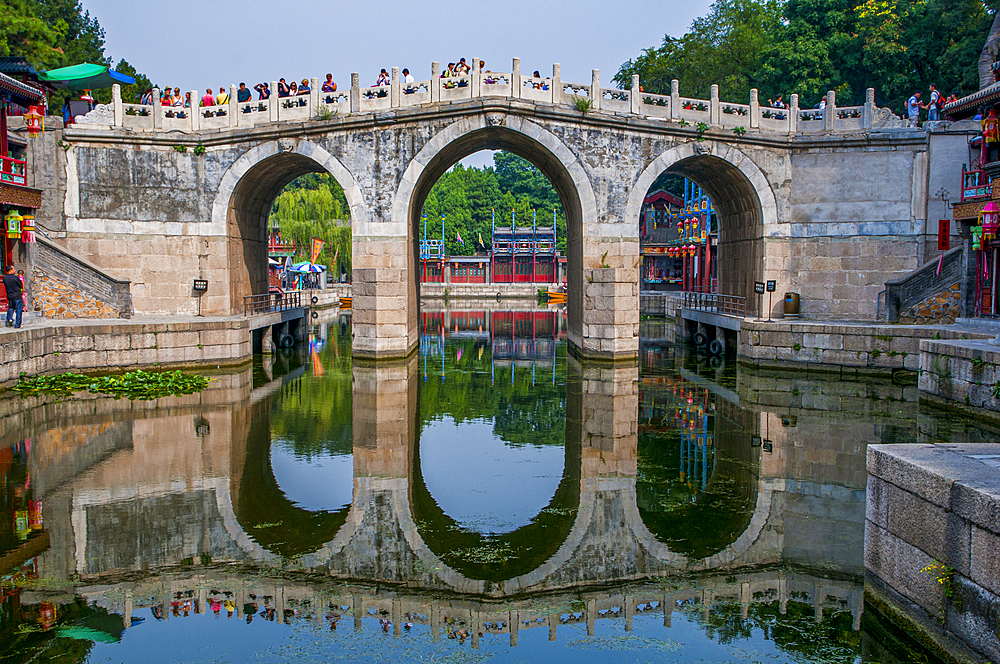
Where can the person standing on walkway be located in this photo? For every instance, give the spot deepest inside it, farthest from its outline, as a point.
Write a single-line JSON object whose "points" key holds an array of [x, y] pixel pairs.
{"points": [[913, 107], [934, 104], [15, 297]]}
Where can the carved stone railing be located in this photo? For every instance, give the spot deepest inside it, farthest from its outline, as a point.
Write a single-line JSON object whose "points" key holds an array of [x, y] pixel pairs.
{"points": [[711, 113]]}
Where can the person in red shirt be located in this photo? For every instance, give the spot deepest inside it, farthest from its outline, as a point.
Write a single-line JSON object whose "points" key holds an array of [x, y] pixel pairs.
{"points": [[208, 99]]}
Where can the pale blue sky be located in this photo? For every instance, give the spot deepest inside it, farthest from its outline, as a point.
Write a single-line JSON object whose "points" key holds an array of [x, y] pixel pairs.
{"points": [[193, 44], [196, 43]]}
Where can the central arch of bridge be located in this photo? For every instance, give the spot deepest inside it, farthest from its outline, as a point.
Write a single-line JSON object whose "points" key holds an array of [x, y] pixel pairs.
{"points": [[527, 140]]}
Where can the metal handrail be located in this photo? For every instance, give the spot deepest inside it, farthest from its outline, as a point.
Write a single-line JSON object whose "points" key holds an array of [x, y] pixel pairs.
{"points": [[730, 305], [268, 303]]}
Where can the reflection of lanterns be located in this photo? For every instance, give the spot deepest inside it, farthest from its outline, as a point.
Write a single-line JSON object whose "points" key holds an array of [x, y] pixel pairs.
{"points": [[33, 120], [991, 220], [14, 225]]}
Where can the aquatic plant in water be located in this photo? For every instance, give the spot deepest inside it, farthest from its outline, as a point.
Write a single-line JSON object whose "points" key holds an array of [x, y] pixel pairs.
{"points": [[142, 385]]}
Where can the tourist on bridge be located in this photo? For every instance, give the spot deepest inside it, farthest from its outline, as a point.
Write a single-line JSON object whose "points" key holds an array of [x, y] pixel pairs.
{"points": [[222, 98], [283, 89], [263, 91], [383, 79], [293, 90], [243, 95], [329, 85], [778, 102], [934, 104], [304, 87], [462, 68], [408, 79], [207, 99], [449, 73], [15, 297], [913, 107]]}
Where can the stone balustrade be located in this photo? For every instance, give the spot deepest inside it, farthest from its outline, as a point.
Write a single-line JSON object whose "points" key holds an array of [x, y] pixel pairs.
{"points": [[703, 114]]}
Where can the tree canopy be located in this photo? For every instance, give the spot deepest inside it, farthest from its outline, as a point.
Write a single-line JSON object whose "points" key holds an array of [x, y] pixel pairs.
{"points": [[812, 46], [51, 34]]}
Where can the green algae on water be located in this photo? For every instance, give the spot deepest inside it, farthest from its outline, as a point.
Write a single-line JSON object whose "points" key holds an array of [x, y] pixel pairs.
{"points": [[141, 385]]}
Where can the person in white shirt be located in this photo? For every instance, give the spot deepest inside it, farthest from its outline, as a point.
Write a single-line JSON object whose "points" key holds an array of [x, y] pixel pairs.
{"points": [[408, 80]]}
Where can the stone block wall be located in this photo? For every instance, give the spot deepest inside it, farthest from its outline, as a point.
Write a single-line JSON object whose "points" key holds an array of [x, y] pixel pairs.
{"points": [[121, 346], [837, 347], [931, 535], [962, 373], [943, 307]]}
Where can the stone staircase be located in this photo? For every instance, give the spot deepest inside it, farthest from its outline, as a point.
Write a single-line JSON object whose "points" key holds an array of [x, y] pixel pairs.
{"points": [[64, 285]]}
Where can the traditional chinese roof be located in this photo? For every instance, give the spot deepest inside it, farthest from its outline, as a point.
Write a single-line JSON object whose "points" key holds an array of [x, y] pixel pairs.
{"points": [[972, 104], [20, 93], [663, 195], [16, 64]]}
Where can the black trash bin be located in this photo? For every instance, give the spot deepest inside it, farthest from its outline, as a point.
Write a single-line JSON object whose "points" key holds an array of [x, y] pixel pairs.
{"points": [[791, 305]]}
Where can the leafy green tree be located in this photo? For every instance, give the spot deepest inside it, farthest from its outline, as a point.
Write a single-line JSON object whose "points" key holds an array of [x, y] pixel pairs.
{"points": [[811, 46]]}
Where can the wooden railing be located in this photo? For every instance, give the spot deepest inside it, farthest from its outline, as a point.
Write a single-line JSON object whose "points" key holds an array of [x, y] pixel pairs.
{"points": [[269, 303], [975, 184], [730, 305], [12, 171]]}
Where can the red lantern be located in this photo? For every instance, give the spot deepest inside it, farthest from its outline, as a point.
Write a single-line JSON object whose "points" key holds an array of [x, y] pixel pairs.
{"points": [[991, 220], [33, 119]]}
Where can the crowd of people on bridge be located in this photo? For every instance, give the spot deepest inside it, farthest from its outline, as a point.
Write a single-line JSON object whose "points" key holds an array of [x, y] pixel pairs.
{"points": [[174, 99]]}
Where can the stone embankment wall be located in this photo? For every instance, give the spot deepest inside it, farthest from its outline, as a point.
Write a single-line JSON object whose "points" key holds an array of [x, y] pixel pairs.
{"points": [[931, 536], [961, 373], [121, 346], [835, 347]]}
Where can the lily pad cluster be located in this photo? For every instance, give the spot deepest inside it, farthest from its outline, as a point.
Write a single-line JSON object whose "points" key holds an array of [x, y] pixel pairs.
{"points": [[141, 385]]}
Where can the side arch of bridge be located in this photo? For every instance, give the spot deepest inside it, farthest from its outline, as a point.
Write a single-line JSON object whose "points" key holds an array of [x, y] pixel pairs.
{"points": [[245, 196], [743, 195]]}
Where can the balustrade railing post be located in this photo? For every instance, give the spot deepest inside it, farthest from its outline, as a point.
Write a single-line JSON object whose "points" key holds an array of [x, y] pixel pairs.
{"points": [[157, 110], [116, 100], [793, 114], [595, 90], [194, 112], [355, 93], [515, 79], [394, 88], [754, 109], [313, 97], [477, 79], [556, 84], [830, 112], [714, 108], [435, 82], [273, 103], [675, 99], [868, 113], [234, 107], [635, 97]]}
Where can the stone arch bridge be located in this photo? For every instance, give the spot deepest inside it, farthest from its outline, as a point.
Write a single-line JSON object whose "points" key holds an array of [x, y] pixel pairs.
{"points": [[829, 203]]}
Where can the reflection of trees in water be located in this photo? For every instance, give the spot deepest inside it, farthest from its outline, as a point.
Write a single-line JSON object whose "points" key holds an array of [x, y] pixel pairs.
{"points": [[263, 510], [523, 413], [313, 416], [831, 640], [498, 557], [692, 520]]}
